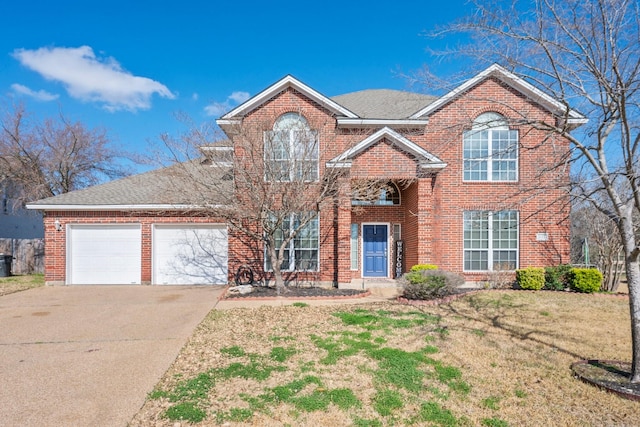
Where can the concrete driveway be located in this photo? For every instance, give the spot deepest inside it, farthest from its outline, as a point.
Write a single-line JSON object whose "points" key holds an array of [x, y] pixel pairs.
{"points": [[89, 355]]}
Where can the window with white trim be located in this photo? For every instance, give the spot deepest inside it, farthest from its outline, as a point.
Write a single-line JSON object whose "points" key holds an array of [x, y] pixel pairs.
{"points": [[490, 240], [291, 150], [301, 254], [355, 228], [490, 150]]}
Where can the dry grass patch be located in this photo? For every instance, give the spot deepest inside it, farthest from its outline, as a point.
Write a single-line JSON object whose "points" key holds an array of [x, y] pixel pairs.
{"points": [[495, 358], [11, 284]]}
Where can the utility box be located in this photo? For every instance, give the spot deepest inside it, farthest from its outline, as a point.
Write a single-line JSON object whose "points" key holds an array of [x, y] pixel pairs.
{"points": [[5, 265]]}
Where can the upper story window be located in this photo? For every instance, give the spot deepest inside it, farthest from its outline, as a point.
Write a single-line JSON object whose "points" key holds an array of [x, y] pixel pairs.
{"points": [[291, 150], [388, 195], [490, 150]]}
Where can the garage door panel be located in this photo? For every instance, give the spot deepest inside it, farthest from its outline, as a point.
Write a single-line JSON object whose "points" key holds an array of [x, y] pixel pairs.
{"points": [[194, 254], [104, 254]]}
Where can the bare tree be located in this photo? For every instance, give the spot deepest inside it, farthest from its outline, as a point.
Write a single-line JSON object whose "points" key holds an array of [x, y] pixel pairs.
{"points": [[595, 241], [586, 54], [269, 184], [55, 156]]}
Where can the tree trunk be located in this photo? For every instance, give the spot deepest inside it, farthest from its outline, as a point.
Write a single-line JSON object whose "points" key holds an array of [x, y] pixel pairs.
{"points": [[276, 262], [633, 280]]}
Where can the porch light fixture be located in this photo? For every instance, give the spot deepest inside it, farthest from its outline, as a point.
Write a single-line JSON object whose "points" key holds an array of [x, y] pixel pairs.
{"points": [[58, 225]]}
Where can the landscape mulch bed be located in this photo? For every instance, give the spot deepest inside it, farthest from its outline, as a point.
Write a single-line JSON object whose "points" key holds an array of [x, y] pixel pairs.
{"points": [[299, 292], [611, 375]]}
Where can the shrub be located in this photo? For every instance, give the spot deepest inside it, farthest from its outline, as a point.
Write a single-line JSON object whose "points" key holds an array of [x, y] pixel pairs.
{"points": [[422, 267], [585, 279], [557, 278], [501, 279], [429, 284], [531, 278]]}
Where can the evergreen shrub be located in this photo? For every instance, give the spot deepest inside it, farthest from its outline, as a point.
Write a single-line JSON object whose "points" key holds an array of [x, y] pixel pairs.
{"points": [[531, 278]]}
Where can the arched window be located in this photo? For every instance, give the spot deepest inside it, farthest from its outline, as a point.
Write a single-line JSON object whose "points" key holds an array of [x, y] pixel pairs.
{"points": [[387, 195], [490, 150], [291, 150]]}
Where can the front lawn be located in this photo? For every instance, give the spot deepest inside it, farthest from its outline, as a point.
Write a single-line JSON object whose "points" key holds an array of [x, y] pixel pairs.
{"points": [[11, 284], [494, 358]]}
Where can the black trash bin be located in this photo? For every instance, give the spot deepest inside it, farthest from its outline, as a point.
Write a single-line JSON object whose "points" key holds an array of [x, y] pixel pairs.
{"points": [[5, 265]]}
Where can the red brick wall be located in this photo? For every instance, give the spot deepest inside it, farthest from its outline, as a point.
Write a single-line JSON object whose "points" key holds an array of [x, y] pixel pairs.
{"points": [[432, 207], [540, 210], [56, 241]]}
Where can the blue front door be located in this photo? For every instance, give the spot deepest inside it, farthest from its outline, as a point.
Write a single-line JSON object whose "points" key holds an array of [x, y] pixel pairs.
{"points": [[375, 250]]}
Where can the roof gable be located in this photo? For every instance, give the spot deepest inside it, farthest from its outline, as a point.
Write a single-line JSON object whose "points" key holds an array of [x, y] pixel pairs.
{"points": [[515, 82], [280, 86], [424, 158]]}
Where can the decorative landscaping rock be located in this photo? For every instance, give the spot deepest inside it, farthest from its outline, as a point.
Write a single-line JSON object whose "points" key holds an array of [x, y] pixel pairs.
{"points": [[240, 290]]}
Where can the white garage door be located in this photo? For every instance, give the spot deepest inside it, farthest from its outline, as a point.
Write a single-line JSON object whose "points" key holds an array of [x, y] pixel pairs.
{"points": [[190, 254], [103, 254]]}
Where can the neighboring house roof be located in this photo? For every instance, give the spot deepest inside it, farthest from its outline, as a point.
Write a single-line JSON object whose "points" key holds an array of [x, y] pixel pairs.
{"points": [[384, 103], [167, 188]]}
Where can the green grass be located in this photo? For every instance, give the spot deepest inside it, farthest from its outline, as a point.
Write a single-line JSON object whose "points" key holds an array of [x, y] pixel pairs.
{"points": [[433, 413], [281, 354], [300, 304], [397, 375], [491, 402], [187, 411], [234, 351], [11, 284], [494, 422], [387, 401]]}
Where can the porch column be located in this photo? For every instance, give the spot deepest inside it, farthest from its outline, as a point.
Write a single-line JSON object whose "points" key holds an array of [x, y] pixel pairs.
{"points": [[425, 220], [344, 231]]}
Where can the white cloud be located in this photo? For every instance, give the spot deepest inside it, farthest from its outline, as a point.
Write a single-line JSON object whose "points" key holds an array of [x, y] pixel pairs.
{"points": [[195, 96], [89, 78], [219, 108], [40, 95], [239, 97]]}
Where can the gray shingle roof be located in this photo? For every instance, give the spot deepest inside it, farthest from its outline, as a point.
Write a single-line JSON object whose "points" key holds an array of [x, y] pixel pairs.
{"points": [[171, 186], [384, 103]]}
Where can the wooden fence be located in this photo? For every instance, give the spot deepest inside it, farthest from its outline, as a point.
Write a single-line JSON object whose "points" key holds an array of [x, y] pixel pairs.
{"points": [[28, 255]]}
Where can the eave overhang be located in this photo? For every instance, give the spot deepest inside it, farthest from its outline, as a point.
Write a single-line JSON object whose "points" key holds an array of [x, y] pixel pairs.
{"points": [[144, 207], [234, 117], [574, 118], [347, 123], [425, 159]]}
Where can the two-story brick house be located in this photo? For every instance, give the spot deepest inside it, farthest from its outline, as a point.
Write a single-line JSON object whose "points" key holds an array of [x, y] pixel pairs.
{"points": [[471, 186]]}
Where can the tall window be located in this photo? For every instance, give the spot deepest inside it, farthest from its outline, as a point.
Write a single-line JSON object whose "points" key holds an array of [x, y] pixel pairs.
{"points": [[354, 246], [490, 240], [490, 150], [291, 150], [301, 254]]}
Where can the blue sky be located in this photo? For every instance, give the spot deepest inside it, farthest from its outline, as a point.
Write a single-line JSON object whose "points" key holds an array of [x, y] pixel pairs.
{"points": [[128, 66]]}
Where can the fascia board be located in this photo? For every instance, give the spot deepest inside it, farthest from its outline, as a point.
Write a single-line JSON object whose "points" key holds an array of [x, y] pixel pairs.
{"points": [[398, 123], [150, 207], [434, 165], [509, 78], [214, 148], [386, 132], [332, 164], [279, 86]]}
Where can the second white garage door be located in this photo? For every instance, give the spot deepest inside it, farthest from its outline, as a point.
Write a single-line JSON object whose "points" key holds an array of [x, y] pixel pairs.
{"points": [[190, 254]]}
